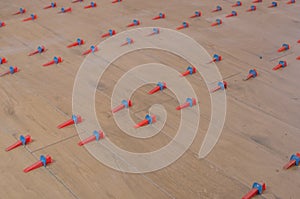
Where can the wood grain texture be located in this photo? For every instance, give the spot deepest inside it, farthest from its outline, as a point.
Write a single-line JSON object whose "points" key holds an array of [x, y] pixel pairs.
{"points": [[262, 122]]}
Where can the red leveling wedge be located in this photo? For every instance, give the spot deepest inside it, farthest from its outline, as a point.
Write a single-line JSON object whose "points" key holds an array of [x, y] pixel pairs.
{"points": [[184, 25], [155, 31], [56, 60], [159, 87], [31, 18], [189, 71], [124, 104], [116, 1], [252, 8], [237, 4], [91, 50], [291, 2], [196, 14], [149, 119], [216, 58], [76, 119], [252, 74], [128, 41], [92, 5], [52, 5], [109, 33], [257, 189], [23, 141], [189, 103], [64, 10], [221, 86], [294, 161], [78, 42], [217, 22], [21, 11], [284, 47], [11, 71], [44, 161], [159, 16], [273, 5], [257, 1], [218, 8], [97, 135], [135, 22], [40, 49], [232, 14], [281, 64]]}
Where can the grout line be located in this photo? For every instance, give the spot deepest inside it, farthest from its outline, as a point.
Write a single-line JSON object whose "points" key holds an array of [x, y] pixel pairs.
{"points": [[233, 75], [281, 56], [62, 182], [54, 143]]}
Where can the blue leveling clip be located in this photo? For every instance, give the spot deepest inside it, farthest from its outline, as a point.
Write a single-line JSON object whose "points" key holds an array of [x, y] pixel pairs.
{"points": [[257, 186], [97, 135], [74, 118], [149, 118], [125, 103], [161, 85], [296, 158]]}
